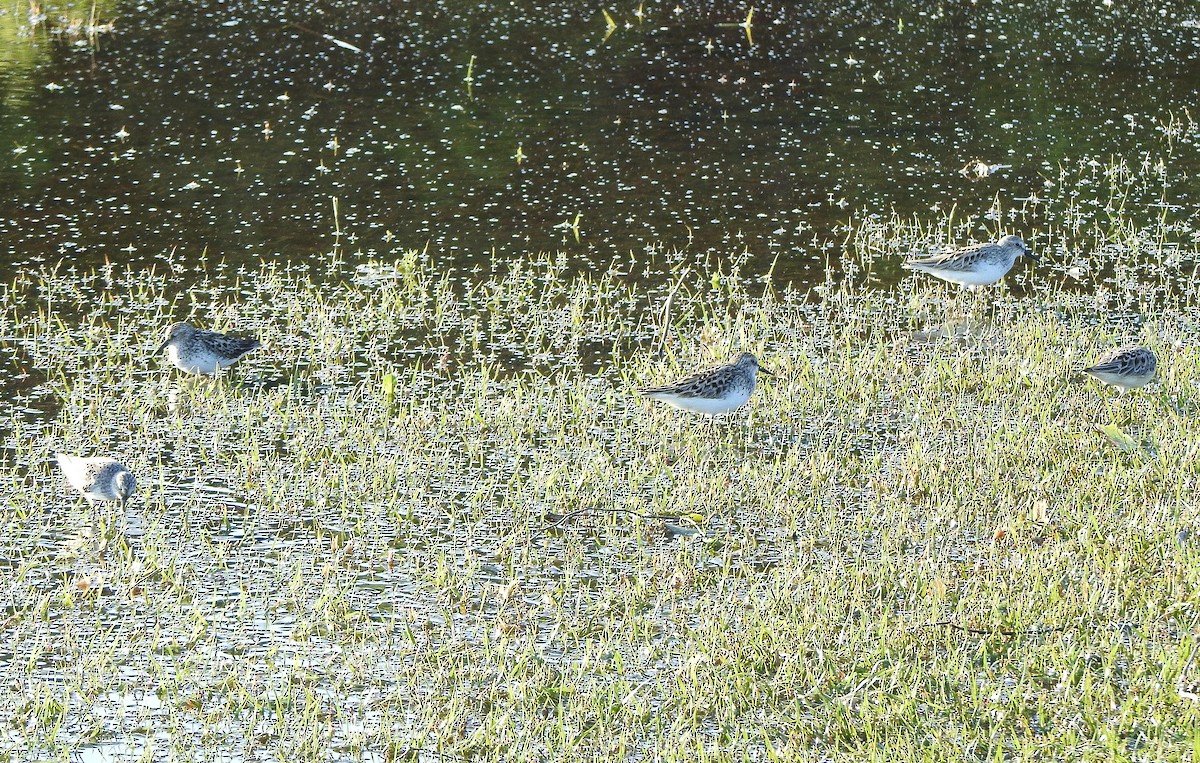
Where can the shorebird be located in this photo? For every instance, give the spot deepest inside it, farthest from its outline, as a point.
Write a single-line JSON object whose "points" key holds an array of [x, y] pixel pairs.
{"points": [[197, 351], [973, 266], [98, 479], [714, 391], [1125, 368]]}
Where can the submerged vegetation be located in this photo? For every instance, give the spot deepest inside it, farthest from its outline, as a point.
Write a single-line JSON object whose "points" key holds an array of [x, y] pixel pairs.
{"points": [[928, 537]]}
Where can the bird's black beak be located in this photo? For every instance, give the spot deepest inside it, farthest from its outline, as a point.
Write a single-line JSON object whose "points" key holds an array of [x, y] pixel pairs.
{"points": [[762, 370], [1029, 253], [162, 346]]}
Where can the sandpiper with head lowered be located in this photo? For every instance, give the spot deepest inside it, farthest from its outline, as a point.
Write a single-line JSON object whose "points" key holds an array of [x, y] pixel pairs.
{"points": [[714, 391], [1125, 368], [972, 266], [98, 479], [198, 351]]}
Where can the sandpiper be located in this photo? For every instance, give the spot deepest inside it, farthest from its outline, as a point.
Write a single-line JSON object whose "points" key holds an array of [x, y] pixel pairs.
{"points": [[98, 479], [714, 391], [197, 351], [1125, 368], [972, 266]]}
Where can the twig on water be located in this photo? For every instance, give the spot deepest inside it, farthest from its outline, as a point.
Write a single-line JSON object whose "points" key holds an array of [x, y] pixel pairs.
{"points": [[989, 632], [1185, 690], [331, 38], [665, 318], [413, 752], [566, 517]]}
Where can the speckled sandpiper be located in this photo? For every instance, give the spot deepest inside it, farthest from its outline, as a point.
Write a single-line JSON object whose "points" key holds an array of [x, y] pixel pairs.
{"points": [[973, 266], [1125, 368], [198, 351], [714, 391], [99, 478]]}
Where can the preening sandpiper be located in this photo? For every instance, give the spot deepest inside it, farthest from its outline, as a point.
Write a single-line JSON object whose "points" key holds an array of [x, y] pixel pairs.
{"points": [[1125, 368], [198, 351], [714, 391], [972, 266]]}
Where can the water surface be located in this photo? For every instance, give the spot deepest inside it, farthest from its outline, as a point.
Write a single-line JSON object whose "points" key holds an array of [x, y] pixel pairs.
{"points": [[202, 132]]}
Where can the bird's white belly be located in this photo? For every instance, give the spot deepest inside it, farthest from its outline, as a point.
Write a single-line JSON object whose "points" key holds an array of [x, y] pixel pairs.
{"points": [[984, 275], [1123, 382], [194, 364], [711, 406]]}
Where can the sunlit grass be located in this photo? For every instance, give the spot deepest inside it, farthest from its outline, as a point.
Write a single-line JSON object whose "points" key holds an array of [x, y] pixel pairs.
{"points": [[923, 540]]}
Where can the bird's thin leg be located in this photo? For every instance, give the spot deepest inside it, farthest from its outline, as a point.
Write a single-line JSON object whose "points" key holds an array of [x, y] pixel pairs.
{"points": [[92, 514], [1134, 404], [961, 309], [711, 426], [976, 300], [1123, 414]]}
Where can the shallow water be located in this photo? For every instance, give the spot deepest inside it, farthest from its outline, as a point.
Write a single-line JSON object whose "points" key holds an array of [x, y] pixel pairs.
{"points": [[198, 133], [307, 558]]}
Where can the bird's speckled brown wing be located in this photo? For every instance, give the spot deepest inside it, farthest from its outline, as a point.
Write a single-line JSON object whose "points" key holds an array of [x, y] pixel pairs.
{"points": [[957, 259], [711, 383]]}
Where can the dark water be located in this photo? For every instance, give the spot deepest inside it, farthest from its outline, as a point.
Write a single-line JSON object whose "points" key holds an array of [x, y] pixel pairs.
{"points": [[227, 130]]}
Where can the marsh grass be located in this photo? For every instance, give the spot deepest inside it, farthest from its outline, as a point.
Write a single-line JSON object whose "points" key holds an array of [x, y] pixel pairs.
{"points": [[916, 543]]}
